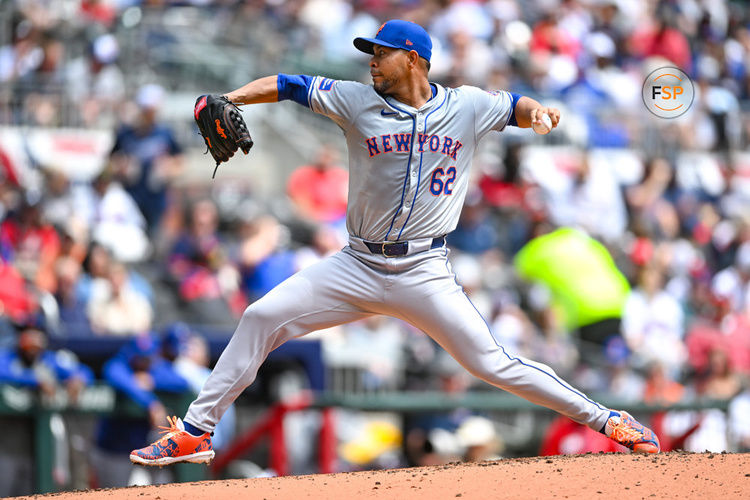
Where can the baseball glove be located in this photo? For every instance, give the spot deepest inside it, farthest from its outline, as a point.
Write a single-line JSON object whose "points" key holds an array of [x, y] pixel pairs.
{"points": [[222, 127]]}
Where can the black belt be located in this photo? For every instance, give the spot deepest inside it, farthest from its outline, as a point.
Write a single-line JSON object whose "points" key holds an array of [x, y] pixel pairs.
{"points": [[398, 248]]}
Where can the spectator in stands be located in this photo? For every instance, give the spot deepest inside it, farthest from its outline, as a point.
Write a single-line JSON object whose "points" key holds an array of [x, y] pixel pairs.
{"points": [[95, 272], [721, 381], [117, 308], [9, 185], [57, 204], [74, 241], [31, 365], [137, 372], [319, 190], [96, 81], [511, 326], [339, 26], [511, 198], [652, 323], [94, 280], [590, 199], [112, 217], [324, 241], [552, 345], [99, 11], [31, 243], [73, 316], [42, 108], [479, 439], [548, 38], [585, 284], [476, 232], [553, 53], [501, 183], [733, 281], [660, 37], [660, 388], [652, 201], [470, 59], [625, 384], [429, 437], [603, 75], [723, 329], [265, 261], [20, 57], [19, 302], [205, 278], [147, 158]]}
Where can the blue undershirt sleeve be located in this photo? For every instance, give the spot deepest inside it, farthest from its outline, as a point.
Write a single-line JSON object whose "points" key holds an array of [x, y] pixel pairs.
{"points": [[515, 98], [294, 87]]}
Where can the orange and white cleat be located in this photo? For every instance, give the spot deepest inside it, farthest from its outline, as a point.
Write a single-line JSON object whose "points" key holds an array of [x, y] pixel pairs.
{"points": [[176, 445], [630, 433]]}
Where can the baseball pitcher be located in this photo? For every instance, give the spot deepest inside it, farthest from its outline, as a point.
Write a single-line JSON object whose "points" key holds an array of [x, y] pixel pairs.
{"points": [[410, 144]]}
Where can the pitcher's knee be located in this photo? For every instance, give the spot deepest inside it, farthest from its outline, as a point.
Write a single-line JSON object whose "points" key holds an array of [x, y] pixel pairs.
{"points": [[259, 316], [481, 371], [492, 368]]}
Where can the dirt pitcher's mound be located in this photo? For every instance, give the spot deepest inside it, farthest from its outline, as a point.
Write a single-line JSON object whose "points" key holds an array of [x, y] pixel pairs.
{"points": [[667, 475]]}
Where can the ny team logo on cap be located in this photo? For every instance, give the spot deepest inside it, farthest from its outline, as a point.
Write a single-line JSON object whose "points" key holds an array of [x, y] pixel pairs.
{"points": [[398, 34], [668, 92]]}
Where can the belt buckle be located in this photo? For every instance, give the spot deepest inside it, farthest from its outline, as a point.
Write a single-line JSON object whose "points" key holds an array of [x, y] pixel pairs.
{"points": [[392, 244]]}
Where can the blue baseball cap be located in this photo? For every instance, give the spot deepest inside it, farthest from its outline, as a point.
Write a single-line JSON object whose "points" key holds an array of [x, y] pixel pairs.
{"points": [[398, 34], [175, 337]]}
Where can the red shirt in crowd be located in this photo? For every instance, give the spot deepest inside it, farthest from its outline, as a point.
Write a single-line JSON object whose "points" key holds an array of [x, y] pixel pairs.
{"points": [[565, 437], [319, 193]]}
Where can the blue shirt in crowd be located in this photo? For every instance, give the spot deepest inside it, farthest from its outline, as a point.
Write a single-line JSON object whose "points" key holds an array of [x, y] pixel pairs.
{"points": [[146, 147]]}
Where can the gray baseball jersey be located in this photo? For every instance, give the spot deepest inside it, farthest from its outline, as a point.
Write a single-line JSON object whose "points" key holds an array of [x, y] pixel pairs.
{"points": [[409, 172], [409, 168]]}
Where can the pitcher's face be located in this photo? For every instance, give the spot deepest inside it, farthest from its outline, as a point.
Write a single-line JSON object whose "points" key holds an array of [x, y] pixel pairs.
{"points": [[387, 68]]}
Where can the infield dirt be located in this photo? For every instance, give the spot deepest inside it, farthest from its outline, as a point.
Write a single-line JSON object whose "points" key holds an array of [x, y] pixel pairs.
{"points": [[666, 475]]}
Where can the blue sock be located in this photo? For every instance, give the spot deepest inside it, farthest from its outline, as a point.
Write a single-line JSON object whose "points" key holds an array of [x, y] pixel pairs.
{"points": [[612, 413], [193, 429]]}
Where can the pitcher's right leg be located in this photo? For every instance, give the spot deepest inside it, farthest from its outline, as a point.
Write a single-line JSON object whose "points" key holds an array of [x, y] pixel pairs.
{"points": [[331, 292]]}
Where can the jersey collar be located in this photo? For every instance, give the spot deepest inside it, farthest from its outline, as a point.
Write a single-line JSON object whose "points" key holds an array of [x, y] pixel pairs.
{"points": [[438, 92]]}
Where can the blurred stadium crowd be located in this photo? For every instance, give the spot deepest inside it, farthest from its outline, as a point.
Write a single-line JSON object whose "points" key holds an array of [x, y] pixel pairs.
{"points": [[616, 250]]}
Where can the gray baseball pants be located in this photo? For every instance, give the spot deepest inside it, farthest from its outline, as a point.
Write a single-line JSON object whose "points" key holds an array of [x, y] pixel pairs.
{"points": [[352, 284]]}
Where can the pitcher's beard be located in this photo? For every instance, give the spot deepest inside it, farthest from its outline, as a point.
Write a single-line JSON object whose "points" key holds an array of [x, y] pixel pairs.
{"points": [[383, 86]]}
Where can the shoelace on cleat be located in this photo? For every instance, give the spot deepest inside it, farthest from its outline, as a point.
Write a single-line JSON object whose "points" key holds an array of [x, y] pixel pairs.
{"points": [[170, 430], [624, 433]]}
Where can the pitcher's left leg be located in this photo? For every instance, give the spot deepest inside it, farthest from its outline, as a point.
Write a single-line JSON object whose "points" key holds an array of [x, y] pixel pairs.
{"points": [[428, 297]]}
